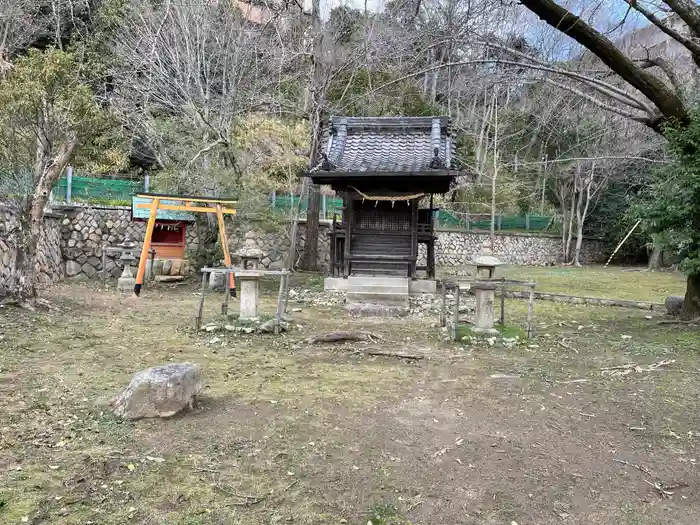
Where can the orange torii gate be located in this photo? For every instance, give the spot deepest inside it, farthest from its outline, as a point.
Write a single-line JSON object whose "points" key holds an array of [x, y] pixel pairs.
{"points": [[190, 204]]}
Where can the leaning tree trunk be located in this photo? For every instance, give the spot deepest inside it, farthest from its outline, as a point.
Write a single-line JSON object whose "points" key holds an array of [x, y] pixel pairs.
{"points": [[691, 303], [22, 284]]}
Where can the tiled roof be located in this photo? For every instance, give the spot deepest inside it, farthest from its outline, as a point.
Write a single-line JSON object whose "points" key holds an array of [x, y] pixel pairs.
{"points": [[387, 145]]}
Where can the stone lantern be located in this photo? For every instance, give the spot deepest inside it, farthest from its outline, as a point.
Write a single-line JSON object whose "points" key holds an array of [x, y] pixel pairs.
{"points": [[484, 291], [126, 281], [486, 262]]}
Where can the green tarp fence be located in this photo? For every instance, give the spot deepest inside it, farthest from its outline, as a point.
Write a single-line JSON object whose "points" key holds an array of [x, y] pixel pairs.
{"points": [[87, 189], [333, 204], [446, 218]]}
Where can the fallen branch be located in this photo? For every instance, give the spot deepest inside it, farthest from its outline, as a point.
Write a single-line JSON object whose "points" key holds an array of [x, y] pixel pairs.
{"points": [[564, 345], [395, 354], [39, 304], [665, 491], [285, 489], [200, 469], [624, 370], [335, 337], [249, 499], [633, 465]]}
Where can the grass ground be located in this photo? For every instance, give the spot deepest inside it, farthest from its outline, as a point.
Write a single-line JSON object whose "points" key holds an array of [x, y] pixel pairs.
{"points": [[596, 281], [285, 433]]}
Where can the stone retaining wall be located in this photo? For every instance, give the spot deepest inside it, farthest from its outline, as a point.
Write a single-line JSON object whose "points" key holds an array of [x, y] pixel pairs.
{"points": [[458, 248], [272, 246], [84, 232], [50, 267]]}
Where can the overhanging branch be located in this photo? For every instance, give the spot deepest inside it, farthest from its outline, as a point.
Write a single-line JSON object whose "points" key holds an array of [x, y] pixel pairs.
{"points": [[607, 88], [632, 116], [627, 100], [669, 103], [689, 44]]}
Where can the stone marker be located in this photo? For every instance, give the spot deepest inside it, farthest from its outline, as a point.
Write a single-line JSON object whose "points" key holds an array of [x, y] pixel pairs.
{"points": [[161, 391], [485, 295], [249, 293], [674, 304]]}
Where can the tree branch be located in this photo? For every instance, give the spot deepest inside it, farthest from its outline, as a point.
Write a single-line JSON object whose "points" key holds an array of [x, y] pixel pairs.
{"points": [[665, 66], [206, 149], [637, 118], [688, 11], [593, 83], [609, 89], [692, 46], [669, 103]]}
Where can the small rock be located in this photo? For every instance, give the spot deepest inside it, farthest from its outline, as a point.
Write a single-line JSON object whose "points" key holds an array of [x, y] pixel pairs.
{"points": [[268, 327], [230, 328], [160, 391], [212, 327]]}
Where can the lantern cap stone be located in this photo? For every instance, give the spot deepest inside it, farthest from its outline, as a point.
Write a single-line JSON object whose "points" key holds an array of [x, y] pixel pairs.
{"points": [[486, 257], [487, 260]]}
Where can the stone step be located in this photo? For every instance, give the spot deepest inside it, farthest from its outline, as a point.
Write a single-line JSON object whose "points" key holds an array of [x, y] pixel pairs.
{"points": [[379, 280], [379, 290], [374, 298]]}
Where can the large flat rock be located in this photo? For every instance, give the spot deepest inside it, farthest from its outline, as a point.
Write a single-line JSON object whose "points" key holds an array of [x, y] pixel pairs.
{"points": [[160, 391]]}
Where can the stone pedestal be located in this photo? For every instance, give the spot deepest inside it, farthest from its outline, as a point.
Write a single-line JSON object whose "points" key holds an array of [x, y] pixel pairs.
{"points": [[485, 295], [249, 283], [126, 282]]}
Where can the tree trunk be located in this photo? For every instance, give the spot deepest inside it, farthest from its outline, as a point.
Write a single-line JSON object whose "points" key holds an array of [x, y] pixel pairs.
{"points": [[581, 216], [315, 116], [579, 243], [655, 257], [312, 225], [22, 285], [569, 233], [691, 303]]}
